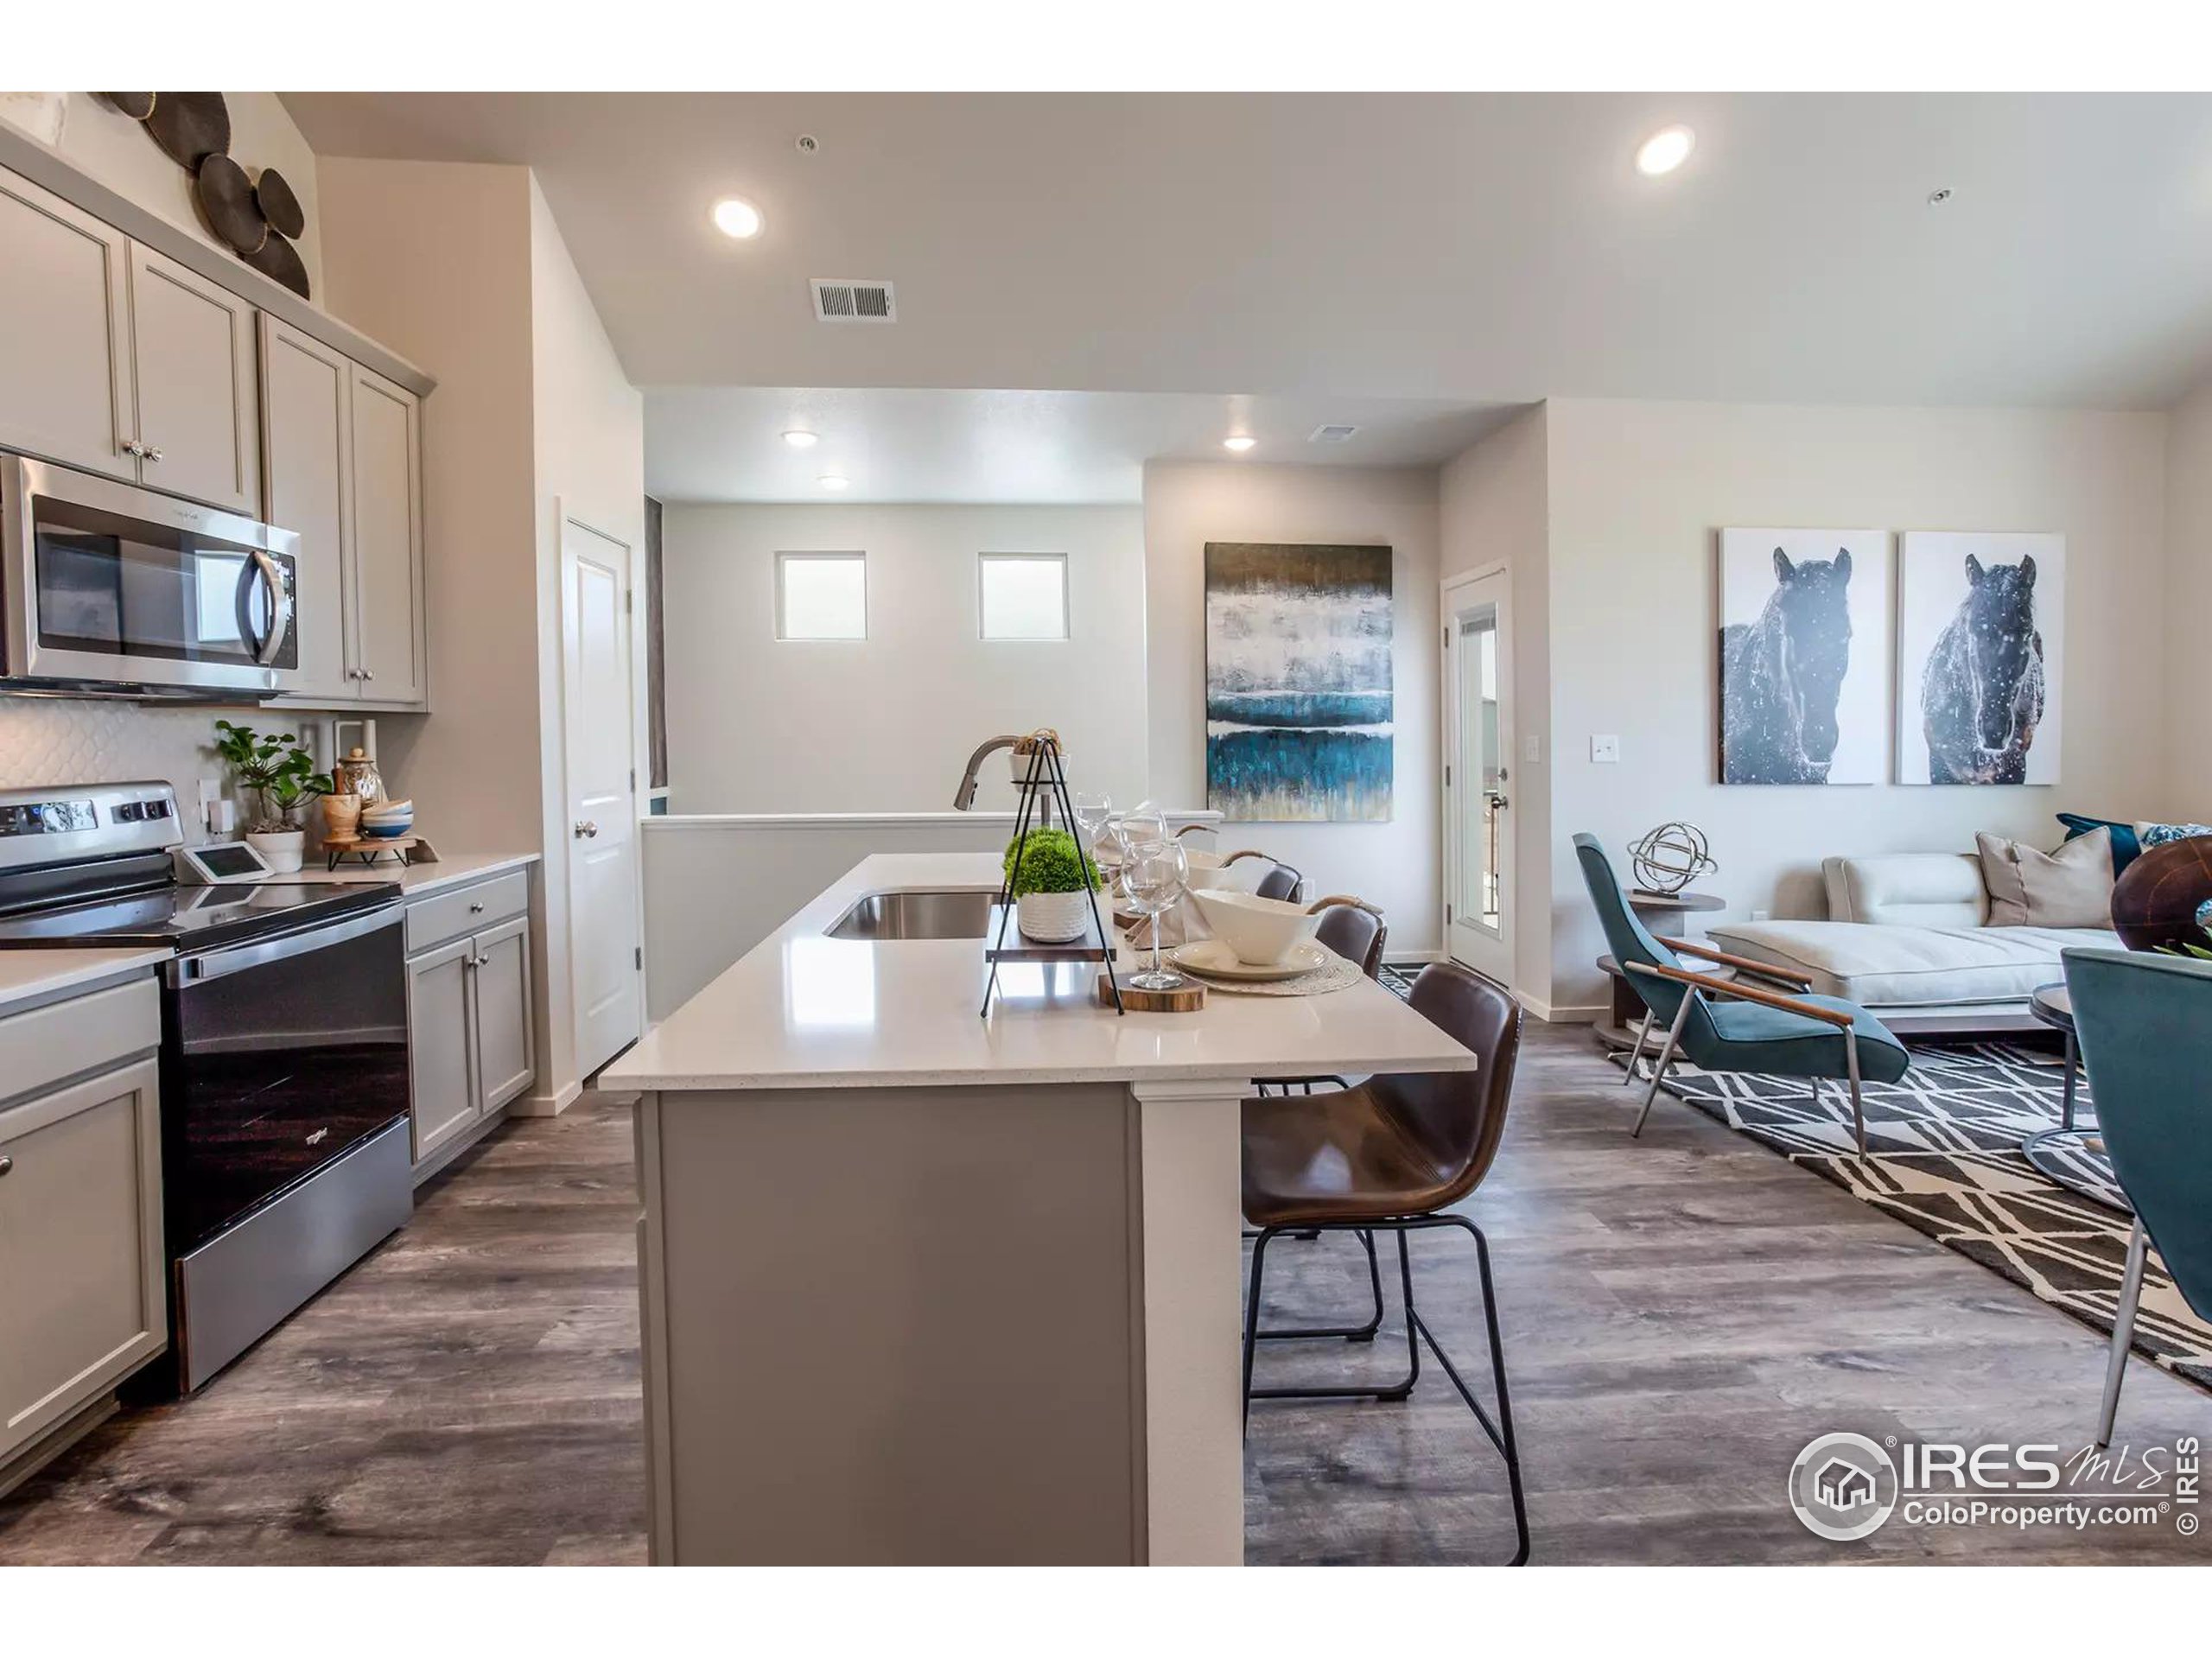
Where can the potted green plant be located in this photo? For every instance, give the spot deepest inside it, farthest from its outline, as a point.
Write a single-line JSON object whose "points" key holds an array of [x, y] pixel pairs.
{"points": [[280, 774], [1051, 885]]}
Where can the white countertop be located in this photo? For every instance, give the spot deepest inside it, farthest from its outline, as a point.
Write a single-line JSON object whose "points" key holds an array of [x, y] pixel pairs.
{"points": [[28, 975], [416, 880], [802, 1010]]}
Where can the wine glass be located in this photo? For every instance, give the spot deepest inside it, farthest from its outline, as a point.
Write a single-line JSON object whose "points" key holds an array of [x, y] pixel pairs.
{"points": [[1093, 811], [1154, 875], [1144, 822]]}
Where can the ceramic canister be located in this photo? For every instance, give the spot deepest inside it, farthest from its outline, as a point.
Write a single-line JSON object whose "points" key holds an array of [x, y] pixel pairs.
{"points": [[358, 776]]}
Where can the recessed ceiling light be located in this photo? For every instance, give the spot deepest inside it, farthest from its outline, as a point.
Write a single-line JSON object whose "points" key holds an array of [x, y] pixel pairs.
{"points": [[1665, 150], [736, 217], [1240, 444], [835, 481], [800, 440]]}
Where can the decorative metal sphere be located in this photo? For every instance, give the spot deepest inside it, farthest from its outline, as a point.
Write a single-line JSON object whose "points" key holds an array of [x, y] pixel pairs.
{"points": [[1668, 859]]}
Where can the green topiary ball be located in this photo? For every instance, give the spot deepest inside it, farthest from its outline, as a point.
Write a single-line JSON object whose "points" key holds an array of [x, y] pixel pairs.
{"points": [[1051, 862]]}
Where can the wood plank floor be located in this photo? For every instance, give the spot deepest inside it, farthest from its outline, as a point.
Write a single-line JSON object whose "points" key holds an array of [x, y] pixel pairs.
{"points": [[1682, 1313]]}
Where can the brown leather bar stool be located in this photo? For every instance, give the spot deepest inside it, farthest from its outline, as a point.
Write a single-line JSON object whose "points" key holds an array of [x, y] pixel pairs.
{"points": [[1352, 928], [1280, 881], [1392, 1155]]}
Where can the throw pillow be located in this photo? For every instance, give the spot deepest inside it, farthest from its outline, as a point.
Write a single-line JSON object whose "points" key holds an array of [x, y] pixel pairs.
{"points": [[2126, 849], [2028, 887], [2157, 834]]}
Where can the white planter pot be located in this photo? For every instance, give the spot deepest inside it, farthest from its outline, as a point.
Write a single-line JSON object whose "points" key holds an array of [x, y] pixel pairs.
{"points": [[1052, 918], [283, 850], [1018, 766]]}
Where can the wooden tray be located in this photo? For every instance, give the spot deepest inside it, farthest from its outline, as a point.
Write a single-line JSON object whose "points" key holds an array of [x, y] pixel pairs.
{"points": [[1189, 1000]]}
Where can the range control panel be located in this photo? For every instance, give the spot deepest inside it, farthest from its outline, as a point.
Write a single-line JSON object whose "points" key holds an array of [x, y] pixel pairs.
{"points": [[63, 822], [59, 817]]}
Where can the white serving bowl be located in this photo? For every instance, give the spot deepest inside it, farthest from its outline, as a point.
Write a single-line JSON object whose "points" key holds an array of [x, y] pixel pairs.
{"points": [[1260, 931], [1213, 870]]}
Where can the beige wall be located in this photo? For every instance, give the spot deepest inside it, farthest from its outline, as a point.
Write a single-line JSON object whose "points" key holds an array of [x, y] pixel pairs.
{"points": [[1494, 508], [2188, 606], [590, 467], [1396, 864], [461, 268], [885, 724], [115, 149], [1638, 491]]}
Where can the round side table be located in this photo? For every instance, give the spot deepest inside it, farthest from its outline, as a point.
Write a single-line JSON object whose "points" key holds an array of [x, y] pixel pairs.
{"points": [[2073, 1158]]}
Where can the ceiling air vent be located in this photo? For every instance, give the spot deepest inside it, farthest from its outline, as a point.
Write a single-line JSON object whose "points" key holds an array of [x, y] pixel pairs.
{"points": [[1332, 435], [846, 299]]}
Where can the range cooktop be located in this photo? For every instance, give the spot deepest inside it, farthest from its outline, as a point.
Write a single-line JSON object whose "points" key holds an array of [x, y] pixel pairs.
{"points": [[194, 919]]}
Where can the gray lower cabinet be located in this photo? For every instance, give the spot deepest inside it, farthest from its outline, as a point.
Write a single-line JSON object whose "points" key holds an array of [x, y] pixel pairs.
{"points": [[83, 1292], [471, 1041]]}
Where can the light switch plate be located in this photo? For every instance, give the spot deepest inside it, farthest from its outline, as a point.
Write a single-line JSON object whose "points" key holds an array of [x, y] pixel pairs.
{"points": [[1534, 749], [1604, 751]]}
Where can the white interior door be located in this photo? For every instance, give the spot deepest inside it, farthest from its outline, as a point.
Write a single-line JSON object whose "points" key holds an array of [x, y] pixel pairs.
{"points": [[602, 816], [1478, 779]]}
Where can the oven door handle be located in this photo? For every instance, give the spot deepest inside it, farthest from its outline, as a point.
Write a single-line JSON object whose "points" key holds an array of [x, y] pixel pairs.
{"points": [[216, 964], [280, 608]]}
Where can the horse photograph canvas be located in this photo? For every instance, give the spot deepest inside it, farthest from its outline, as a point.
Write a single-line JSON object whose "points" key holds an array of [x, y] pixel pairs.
{"points": [[1981, 638], [1298, 697], [1804, 637]]}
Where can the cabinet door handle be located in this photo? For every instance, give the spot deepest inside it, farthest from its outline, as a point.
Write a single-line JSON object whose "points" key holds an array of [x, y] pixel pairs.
{"points": [[6, 1163], [368, 673], [133, 446], [152, 452], [476, 909]]}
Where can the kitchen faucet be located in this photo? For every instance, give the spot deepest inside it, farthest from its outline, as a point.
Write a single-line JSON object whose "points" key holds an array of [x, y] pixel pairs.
{"points": [[964, 797]]}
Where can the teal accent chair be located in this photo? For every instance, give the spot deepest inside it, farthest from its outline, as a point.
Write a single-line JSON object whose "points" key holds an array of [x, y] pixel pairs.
{"points": [[2145, 1023], [1766, 1020]]}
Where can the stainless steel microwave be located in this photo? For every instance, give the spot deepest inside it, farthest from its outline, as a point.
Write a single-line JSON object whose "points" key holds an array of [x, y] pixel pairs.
{"points": [[110, 590]]}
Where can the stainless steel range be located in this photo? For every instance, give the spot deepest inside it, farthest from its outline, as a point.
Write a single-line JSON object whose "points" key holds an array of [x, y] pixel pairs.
{"points": [[284, 1080]]}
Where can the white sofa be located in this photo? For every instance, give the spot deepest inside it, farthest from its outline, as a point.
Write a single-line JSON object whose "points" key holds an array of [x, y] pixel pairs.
{"points": [[1907, 936]]}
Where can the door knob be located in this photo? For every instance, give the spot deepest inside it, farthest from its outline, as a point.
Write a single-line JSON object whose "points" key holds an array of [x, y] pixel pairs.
{"points": [[585, 827], [6, 1164]]}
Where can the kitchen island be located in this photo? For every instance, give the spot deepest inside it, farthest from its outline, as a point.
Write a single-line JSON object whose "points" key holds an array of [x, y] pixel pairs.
{"points": [[920, 1287]]}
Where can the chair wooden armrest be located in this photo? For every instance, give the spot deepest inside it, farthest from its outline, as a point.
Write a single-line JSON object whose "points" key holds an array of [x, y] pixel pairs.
{"points": [[1321, 905], [1742, 964], [1746, 992], [1192, 828], [1245, 852]]}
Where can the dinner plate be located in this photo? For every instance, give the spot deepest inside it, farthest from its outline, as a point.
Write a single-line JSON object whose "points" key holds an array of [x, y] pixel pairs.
{"points": [[1215, 957]]}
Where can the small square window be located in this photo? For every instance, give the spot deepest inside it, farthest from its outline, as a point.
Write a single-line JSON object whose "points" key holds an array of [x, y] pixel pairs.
{"points": [[1024, 595], [821, 595]]}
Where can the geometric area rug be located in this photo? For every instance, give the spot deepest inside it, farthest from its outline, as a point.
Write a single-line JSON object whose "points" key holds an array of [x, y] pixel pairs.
{"points": [[1943, 1146]]}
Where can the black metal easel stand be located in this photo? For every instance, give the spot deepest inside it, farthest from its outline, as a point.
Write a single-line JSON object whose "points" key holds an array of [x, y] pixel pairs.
{"points": [[1047, 772]]}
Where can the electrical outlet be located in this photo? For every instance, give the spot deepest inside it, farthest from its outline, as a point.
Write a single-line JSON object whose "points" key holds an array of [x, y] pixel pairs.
{"points": [[1604, 751]]}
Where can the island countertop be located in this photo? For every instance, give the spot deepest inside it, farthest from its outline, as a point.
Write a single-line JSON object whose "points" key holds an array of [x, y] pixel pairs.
{"points": [[804, 1010]]}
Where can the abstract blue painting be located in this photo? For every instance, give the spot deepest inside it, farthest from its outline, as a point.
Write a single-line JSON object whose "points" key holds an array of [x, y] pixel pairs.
{"points": [[1298, 683]]}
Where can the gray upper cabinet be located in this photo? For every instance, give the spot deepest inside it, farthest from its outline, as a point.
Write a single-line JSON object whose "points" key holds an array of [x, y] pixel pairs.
{"points": [[390, 658], [65, 333], [307, 439], [120, 360], [193, 362]]}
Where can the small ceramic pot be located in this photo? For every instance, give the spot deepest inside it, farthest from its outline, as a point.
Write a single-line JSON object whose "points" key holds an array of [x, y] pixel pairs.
{"points": [[1052, 918], [341, 815], [281, 851]]}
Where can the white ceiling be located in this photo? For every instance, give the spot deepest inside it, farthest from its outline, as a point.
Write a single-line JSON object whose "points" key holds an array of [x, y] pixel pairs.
{"points": [[1476, 248], [725, 443]]}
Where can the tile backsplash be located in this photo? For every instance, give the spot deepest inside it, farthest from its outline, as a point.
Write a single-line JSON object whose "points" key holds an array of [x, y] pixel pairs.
{"points": [[65, 740]]}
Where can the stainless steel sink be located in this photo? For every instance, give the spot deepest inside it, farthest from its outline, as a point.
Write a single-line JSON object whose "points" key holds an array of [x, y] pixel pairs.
{"points": [[939, 915]]}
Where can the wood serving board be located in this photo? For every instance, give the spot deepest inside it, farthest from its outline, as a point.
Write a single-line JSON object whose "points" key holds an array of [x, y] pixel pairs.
{"points": [[1189, 1000]]}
